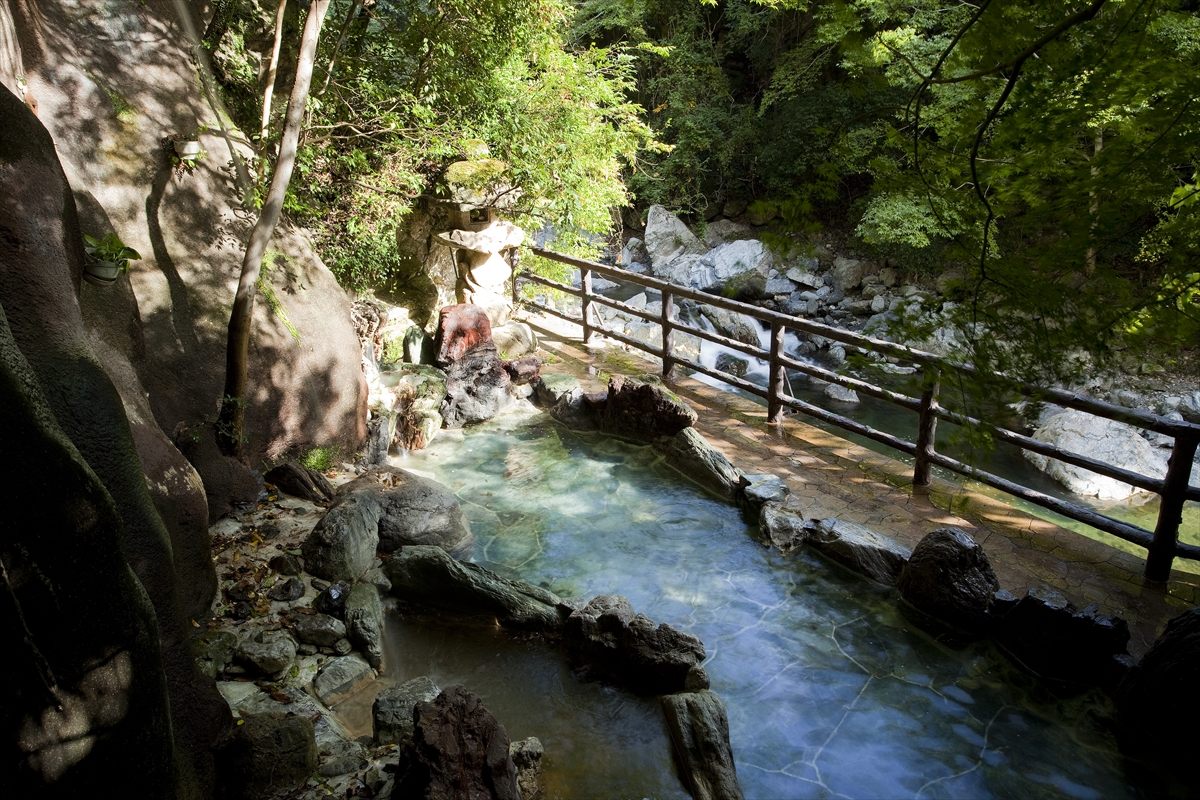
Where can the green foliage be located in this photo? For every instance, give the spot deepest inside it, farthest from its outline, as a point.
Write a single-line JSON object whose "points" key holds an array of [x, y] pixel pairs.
{"points": [[267, 290], [320, 458], [109, 249]]}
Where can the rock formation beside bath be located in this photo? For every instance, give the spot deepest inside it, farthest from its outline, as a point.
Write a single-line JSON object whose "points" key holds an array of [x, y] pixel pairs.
{"points": [[608, 640], [949, 578], [476, 381], [699, 730]]}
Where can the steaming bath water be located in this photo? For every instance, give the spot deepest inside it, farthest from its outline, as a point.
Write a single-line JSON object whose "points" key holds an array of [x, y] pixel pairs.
{"points": [[830, 691]]}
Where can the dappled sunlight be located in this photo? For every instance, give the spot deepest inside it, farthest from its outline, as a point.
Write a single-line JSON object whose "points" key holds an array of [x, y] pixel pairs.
{"points": [[64, 735]]}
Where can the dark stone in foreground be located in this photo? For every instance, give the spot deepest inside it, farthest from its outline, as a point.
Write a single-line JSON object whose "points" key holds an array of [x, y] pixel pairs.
{"points": [[269, 754], [392, 713], [459, 752], [429, 576], [1159, 695], [607, 640], [476, 387], [1049, 636], [300, 481], [948, 577], [699, 730]]}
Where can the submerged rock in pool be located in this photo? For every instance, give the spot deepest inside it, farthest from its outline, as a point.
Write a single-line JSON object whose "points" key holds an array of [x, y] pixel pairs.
{"points": [[608, 640], [699, 731], [429, 576]]}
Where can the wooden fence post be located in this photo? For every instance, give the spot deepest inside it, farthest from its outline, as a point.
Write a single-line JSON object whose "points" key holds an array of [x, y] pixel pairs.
{"points": [[926, 427], [775, 379], [668, 310], [1170, 510], [585, 282]]}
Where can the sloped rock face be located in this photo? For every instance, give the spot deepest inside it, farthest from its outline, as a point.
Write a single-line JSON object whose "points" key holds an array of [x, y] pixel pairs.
{"points": [[190, 231], [609, 641], [1160, 692], [948, 577], [459, 751], [699, 730], [429, 576], [81, 467]]}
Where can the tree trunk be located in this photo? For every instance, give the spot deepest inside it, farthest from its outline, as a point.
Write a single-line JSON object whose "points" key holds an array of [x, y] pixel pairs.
{"points": [[231, 420], [1089, 263], [272, 71], [337, 47]]}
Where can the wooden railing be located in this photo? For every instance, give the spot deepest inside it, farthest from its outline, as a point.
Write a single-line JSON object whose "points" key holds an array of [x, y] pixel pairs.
{"points": [[1162, 544]]}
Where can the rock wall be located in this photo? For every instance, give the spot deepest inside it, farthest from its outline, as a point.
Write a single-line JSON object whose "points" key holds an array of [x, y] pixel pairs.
{"points": [[106, 687], [114, 83]]}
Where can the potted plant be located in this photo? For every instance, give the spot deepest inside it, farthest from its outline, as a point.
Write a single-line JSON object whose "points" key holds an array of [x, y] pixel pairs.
{"points": [[106, 259], [187, 152]]}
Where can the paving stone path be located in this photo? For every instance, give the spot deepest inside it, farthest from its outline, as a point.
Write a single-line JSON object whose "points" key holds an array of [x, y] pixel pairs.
{"points": [[831, 477]]}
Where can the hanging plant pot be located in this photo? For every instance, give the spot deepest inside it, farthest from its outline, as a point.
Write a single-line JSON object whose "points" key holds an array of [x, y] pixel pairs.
{"points": [[101, 273], [187, 148]]}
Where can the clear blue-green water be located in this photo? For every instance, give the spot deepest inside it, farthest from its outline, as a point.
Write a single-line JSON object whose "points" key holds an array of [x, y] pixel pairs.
{"points": [[830, 691]]}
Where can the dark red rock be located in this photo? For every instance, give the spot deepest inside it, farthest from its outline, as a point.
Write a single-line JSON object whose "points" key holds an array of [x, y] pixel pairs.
{"points": [[459, 751], [461, 328]]}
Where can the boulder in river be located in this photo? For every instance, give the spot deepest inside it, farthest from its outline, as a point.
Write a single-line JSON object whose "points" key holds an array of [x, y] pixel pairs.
{"points": [[948, 577], [1102, 439], [667, 238]]}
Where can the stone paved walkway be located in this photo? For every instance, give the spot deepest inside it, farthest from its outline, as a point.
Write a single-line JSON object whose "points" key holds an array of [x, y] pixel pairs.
{"points": [[831, 477]]}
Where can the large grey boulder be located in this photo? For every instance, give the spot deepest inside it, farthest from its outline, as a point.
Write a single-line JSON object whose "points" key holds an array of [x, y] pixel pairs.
{"points": [[392, 712], [948, 577], [699, 730], [341, 677], [690, 453], [459, 751], [428, 576], [860, 549], [740, 268], [607, 640], [268, 652], [742, 327], [667, 238], [1103, 439], [382, 510], [847, 273], [364, 621], [413, 510]]}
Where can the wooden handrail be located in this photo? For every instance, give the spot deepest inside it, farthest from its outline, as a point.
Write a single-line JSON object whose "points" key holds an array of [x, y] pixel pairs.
{"points": [[1162, 544]]}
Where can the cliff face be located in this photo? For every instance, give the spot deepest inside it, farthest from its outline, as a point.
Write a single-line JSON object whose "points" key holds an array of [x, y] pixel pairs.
{"points": [[114, 82]]}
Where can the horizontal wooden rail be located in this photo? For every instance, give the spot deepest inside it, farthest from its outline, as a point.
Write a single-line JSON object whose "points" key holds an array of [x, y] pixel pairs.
{"points": [[1174, 489]]}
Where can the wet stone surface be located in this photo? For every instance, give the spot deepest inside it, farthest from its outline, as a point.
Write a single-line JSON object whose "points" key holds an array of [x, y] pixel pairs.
{"points": [[829, 689]]}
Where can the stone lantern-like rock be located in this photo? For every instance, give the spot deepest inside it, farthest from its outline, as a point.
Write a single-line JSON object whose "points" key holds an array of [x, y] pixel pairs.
{"points": [[480, 244]]}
